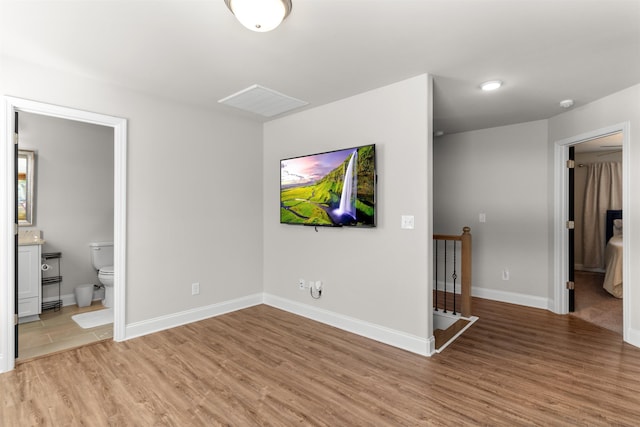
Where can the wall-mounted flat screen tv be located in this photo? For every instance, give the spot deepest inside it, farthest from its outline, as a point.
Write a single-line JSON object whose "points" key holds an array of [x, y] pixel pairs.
{"points": [[337, 188]]}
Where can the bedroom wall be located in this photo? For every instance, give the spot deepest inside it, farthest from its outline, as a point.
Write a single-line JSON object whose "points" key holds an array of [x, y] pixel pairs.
{"points": [[74, 192], [503, 173], [376, 279], [193, 214], [620, 107], [580, 181]]}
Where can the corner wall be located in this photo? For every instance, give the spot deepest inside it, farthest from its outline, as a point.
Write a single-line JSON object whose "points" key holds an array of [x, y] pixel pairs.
{"points": [[375, 280]]}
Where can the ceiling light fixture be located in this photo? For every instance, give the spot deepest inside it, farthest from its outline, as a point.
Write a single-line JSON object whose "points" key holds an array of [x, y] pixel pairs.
{"points": [[492, 85], [567, 103], [260, 15]]}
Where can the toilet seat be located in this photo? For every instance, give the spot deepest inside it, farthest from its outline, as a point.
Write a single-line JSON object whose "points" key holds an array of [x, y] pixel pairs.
{"points": [[106, 271]]}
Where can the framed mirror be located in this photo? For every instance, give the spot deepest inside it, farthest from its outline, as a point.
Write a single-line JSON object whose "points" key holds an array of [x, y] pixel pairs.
{"points": [[26, 184]]}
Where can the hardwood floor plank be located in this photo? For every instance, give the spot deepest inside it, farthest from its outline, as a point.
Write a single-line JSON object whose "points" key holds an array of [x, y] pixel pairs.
{"points": [[263, 366]]}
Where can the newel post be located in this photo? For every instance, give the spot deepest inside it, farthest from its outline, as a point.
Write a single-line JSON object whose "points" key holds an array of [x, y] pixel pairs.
{"points": [[465, 270]]}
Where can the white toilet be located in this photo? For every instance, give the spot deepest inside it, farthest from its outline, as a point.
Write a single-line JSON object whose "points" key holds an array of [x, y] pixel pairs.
{"points": [[102, 260]]}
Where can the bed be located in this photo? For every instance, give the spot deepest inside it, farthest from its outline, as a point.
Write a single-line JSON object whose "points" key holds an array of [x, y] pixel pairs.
{"points": [[613, 254]]}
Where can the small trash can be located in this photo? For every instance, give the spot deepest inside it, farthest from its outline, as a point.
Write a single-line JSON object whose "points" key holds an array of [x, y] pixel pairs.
{"points": [[84, 295]]}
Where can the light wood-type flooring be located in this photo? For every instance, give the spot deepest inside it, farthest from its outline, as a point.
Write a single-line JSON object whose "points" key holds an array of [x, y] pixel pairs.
{"points": [[56, 331], [263, 366]]}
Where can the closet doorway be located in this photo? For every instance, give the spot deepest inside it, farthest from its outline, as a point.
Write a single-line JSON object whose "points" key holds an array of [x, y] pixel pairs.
{"points": [[597, 189]]}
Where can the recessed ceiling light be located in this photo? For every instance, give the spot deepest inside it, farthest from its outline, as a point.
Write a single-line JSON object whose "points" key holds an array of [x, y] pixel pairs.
{"points": [[492, 85]]}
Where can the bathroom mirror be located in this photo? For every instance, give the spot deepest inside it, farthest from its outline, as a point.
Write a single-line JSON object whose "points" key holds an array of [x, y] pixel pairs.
{"points": [[26, 166]]}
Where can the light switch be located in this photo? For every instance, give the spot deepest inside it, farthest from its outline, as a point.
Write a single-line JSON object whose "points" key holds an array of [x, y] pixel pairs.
{"points": [[407, 222], [482, 217]]}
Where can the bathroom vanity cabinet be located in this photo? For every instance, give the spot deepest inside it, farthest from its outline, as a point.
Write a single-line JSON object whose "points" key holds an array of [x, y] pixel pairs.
{"points": [[29, 281]]}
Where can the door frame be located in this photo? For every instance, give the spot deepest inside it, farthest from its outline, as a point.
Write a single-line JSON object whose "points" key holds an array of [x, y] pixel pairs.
{"points": [[561, 208], [7, 201]]}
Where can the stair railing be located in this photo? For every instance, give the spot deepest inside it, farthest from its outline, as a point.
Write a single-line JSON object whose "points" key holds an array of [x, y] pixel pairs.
{"points": [[446, 254]]}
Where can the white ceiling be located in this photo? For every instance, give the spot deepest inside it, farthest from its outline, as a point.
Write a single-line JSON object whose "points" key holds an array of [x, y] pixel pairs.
{"points": [[196, 52]]}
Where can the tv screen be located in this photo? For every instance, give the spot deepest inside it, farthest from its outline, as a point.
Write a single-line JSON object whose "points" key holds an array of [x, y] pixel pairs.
{"points": [[337, 188]]}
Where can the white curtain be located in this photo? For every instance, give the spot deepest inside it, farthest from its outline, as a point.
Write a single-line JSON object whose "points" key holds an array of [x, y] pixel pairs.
{"points": [[603, 191]]}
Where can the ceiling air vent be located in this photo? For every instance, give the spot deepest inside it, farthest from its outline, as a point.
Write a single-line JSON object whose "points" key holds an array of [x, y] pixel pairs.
{"points": [[261, 100]]}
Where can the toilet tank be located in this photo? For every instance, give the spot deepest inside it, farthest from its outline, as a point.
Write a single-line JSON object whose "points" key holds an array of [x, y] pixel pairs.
{"points": [[101, 254]]}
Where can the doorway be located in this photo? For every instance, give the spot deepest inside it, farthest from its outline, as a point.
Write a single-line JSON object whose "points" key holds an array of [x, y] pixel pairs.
{"points": [[561, 209], [72, 206], [8, 229], [598, 191]]}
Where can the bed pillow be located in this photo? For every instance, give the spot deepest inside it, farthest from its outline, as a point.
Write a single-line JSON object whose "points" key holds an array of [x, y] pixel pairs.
{"points": [[617, 227]]}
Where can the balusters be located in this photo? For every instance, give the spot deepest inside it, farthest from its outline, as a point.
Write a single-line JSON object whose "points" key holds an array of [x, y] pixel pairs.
{"points": [[449, 273]]}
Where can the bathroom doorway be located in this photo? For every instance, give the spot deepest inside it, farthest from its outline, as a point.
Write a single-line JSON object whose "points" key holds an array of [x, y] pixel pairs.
{"points": [[72, 205], [118, 129]]}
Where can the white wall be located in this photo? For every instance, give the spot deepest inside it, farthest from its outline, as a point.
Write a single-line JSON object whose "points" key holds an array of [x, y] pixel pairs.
{"points": [[74, 192], [501, 172], [377, 277], [194, 206], [620, 107]]}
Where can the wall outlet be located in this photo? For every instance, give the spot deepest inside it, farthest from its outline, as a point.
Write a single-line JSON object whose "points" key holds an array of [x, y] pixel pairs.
{"points": [[195, 288], [301, 284], [505, 274]]}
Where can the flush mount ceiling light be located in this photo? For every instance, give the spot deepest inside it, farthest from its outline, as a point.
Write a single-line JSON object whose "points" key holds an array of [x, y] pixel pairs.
{"points": [[260, 15], [567, 103], [492, 85]]}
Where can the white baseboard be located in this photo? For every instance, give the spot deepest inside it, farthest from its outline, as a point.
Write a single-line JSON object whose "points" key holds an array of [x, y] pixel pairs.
{"points": [[161, 323], [633, 337], [412, 343], [69, 299], [512, 298]]}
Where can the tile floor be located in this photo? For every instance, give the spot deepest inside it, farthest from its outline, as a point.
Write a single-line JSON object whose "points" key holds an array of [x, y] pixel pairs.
{"points": [[56, 331]]}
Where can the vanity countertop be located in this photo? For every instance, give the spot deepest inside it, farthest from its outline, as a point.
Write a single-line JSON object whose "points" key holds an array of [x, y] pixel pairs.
{"points": [[25, 242], [30, 236]]}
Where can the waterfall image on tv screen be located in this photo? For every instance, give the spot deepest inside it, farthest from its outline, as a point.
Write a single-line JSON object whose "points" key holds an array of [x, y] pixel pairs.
{"points": [[333, 189]]}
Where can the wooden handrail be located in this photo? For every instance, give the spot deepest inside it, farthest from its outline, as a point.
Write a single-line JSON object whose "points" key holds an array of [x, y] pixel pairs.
{"points": [[465, 270], [465, 267]]}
